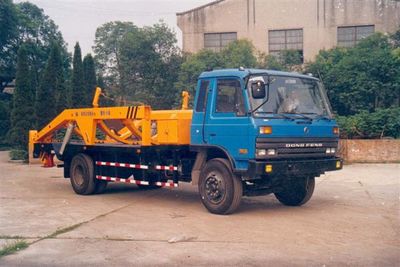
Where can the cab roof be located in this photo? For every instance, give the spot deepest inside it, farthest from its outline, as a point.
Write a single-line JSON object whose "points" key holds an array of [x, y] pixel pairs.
{"points": [[242, 73]]}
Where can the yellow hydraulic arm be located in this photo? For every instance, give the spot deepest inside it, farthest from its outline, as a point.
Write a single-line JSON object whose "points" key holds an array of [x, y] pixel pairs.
{"points": [[140, 125]]}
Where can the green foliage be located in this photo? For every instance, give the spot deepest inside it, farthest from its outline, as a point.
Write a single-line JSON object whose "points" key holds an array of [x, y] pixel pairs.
{"points": [[22, 116], [288, 60], [138, 64], [8, 32], [77, 96], [18, 154], [236, 54], [8, 21], [4, 119], [395, 38], [13, 247], [193, 66], [291, 59], [365, 77], [382, 123], [89, 77], [239, 54], [51, 93], [107, 51], [36, 31], [270, 62]]}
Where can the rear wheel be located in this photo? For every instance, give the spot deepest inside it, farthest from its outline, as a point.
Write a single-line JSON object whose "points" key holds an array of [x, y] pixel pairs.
{"points": [[82, 174], [296, 192], [220, 190], [100, 186]]}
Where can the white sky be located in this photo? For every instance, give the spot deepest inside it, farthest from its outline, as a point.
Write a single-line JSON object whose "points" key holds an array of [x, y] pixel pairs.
{"points": [[78, 19]]}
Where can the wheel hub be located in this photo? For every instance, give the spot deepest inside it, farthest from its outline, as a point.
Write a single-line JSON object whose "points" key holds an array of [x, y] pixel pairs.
{"points": [[78, 176], [215, 188]]}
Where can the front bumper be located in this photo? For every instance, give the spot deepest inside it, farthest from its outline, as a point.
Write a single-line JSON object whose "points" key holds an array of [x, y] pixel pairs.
{"points": [[315, 167]]}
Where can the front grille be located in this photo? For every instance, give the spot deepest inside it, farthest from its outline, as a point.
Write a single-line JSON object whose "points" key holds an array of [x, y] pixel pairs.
{"points": [[297, 147]]}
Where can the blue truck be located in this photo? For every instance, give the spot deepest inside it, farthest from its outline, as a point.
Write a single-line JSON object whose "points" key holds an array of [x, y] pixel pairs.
{"points": [[252, 132], [259, 132]]}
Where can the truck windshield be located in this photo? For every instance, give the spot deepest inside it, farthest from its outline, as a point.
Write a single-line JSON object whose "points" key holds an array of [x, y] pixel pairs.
{"points": [[290, 95]]}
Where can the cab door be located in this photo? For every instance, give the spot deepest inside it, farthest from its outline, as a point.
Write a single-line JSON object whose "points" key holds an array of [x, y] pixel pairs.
{"points": [[204, 89], [227, 123]]}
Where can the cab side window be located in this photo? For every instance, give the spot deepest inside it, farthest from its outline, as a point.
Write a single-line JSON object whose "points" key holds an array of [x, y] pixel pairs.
{"points": [[229, 97], [202, 99]]}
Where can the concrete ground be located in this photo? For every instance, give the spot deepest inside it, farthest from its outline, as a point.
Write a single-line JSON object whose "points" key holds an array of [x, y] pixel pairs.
{"points": [[352, 220]]}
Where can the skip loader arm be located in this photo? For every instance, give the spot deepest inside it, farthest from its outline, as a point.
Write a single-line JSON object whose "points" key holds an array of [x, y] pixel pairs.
{"points": [[139, 124]]}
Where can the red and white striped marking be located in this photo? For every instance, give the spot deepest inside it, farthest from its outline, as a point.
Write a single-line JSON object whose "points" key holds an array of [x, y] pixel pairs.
{"points": [[130, 180], [162, 184], [166, 168], [121, 180], [125, 165]]}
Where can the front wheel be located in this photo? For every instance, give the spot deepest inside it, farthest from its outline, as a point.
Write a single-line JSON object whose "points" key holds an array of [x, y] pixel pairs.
{"points": [[220, 190], [296, 192]]}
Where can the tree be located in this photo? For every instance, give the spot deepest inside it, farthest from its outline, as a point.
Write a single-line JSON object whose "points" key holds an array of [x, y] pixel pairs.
{"points": [[22, 117], [193, 66], [89, 77], [107, 51], [270, 62], [148, 65], [26, 23], [8, 32], [236, 54], [51, 93], [4, 120], [239, 54], [361, 78], [77, 94]]}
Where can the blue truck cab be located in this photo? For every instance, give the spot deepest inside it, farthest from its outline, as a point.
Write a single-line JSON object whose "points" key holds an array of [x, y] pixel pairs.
{"points": [[274, 131]]}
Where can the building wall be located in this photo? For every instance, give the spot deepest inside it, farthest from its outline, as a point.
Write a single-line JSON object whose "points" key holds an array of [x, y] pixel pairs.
{"points": [[319, 19]]}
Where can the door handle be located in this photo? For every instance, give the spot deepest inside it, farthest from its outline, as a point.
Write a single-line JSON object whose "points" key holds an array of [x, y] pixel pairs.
{"points": [[213, 134]]}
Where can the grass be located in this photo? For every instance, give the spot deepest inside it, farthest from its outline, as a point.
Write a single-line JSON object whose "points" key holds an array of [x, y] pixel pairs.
{"points": [[17, 154], [20, 244], [11, 237], [13, 247], [64, 230]]}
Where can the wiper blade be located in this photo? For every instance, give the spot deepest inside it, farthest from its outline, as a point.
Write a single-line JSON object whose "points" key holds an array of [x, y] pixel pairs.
{"points": [[276, 114], [320, 116], [300, 115]]}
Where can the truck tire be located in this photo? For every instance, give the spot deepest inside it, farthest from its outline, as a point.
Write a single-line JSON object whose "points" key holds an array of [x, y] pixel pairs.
{"points": [[100, 186], [297, 192], [220, 189], [82, 174]]}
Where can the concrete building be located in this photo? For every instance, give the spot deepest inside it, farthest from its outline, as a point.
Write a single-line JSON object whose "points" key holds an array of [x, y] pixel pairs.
{"points": [[274, 25]]}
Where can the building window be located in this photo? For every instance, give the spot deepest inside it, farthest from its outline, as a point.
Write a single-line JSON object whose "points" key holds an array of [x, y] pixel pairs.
{"points": [[350, 36], [217, 41], [281, 40]]}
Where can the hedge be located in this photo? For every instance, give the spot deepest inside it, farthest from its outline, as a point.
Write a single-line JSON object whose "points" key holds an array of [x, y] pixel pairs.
{"points": [[384, 123]]}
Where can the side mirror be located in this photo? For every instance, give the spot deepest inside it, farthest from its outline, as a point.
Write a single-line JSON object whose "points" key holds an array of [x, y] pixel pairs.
{"points": [[258, 90]]}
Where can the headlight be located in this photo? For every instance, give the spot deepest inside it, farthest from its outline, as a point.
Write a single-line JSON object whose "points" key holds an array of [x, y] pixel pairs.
{"points": [[330, 150], [261, 152], [265, 152]]}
